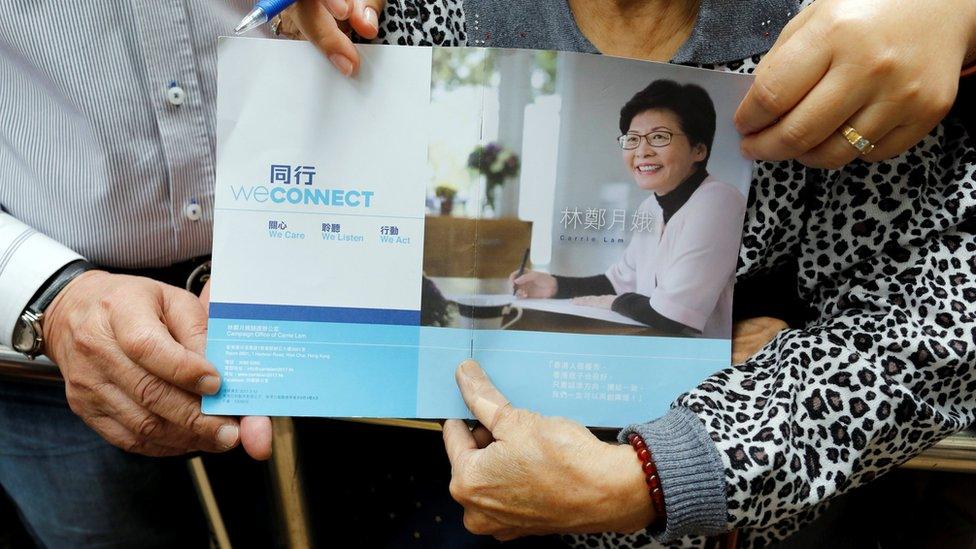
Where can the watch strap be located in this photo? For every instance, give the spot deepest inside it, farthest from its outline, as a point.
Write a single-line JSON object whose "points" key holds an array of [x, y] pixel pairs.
{"points": [[56, 283]]}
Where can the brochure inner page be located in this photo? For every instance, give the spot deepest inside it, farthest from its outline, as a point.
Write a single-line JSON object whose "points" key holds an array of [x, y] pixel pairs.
{"points": [[571, 221]]}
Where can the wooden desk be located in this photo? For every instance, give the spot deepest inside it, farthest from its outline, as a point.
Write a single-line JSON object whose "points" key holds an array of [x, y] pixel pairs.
{"points": [[476, 248], [546, 321], [535, 320]]}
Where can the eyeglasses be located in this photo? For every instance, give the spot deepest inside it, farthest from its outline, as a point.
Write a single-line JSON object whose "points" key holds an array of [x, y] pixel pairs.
{"points": [[659, 138]]}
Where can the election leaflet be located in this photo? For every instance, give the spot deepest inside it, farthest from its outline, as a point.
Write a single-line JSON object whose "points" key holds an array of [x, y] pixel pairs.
{"points": [[571, 221]]}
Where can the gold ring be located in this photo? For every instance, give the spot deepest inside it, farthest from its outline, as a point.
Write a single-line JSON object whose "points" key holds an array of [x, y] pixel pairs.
{"points": [[857, 140]]}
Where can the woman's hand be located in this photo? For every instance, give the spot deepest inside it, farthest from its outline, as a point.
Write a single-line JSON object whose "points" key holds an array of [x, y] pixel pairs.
{"points": [[597, 301], [327, 24], [752, 334], [533, 284], [525, 474], [887, 68]]}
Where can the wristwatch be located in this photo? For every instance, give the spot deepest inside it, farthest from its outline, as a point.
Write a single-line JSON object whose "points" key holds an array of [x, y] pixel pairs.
{"points": [[28, 333]]}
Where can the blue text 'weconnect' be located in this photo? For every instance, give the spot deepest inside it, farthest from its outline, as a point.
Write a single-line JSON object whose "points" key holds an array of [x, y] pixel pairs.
{"points": [[295, 195]]}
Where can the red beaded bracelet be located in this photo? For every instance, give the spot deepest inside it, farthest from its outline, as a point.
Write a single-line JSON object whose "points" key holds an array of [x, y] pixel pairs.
{"points": [[650, 472]]}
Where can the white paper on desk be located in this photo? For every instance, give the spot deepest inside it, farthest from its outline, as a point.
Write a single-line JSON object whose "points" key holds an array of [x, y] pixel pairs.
{"points": [[567, 307], [318, 301], [561, 306]]}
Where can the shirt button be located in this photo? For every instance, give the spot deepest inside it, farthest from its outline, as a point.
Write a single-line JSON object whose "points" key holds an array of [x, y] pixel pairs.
{"points": [[175, 95], [193, 211]]}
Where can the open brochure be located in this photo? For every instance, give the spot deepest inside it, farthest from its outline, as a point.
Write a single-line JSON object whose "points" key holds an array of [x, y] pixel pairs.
{"points": [[367, 230]]}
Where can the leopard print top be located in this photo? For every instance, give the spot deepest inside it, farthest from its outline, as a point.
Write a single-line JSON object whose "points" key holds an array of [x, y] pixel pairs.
{"points": [[887, 259]]}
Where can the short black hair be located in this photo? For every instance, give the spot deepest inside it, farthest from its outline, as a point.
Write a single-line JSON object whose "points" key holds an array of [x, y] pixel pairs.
{"points": [[689, 102]]}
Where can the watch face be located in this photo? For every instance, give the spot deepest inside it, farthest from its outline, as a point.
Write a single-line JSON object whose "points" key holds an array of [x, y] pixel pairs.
{"points": [[24, 336]]}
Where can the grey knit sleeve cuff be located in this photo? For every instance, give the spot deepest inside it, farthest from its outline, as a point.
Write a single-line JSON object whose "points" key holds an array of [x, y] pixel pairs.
{"points": [[691, 471]]}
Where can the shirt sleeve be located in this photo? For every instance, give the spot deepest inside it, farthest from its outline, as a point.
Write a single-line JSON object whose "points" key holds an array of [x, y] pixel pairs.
{"points": [[623, 274], [572, 286], [702, 265], [27, 260], [638, 307]]}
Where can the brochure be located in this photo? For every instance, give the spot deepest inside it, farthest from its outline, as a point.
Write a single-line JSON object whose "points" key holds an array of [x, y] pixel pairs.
{"points": [[367, 230]]}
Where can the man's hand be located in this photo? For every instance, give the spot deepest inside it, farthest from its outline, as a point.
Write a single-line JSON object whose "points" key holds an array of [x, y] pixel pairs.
{"points": [[524, 474], [327, 24], [752, 334], [255, 430], [888, 68], [130, 350]]}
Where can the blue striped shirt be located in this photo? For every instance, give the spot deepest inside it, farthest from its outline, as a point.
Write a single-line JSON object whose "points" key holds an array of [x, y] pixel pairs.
{"points": [[107, 139]]}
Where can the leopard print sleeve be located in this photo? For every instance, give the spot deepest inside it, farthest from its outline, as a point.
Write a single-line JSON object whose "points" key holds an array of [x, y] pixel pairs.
{"points": [[422, 23], [888, 257]]}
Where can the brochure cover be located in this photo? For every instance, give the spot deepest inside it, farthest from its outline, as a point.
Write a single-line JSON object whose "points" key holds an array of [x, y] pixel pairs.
{"points": [[571, 221]]}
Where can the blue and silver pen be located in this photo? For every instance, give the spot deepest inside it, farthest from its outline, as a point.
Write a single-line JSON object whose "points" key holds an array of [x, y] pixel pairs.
{"points": [[263, 11]]}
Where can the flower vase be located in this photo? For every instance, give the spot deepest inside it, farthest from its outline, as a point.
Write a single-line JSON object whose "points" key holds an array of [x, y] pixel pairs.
{"points": [[493, 194], [447, 206]]}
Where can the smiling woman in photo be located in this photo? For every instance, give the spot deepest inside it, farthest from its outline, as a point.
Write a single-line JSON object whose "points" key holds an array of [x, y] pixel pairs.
{"points": [[678, 276]]}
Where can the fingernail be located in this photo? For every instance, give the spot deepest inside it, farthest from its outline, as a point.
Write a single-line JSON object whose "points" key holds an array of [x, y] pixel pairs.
{"points": [[342, 63], [227, 436], [371, 17], [471, 369], [208, 385], [339, 8]]}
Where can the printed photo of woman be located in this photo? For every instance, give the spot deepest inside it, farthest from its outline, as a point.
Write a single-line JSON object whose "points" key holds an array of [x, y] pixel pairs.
{"points": [[676, 278]]}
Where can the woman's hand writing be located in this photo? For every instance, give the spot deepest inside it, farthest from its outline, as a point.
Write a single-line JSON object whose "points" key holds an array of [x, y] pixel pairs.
{"points": [[533, 284], [525, 474]]}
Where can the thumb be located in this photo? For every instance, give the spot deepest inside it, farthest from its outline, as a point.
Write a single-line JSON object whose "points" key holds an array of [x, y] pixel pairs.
{"points": [[256, 436], [205, 294], [484, 400]]}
